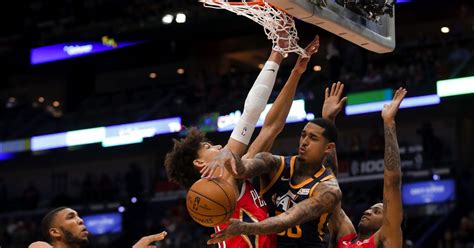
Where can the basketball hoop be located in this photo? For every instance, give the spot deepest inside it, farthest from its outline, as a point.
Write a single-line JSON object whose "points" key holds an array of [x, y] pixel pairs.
{"points": [[275, 22]]}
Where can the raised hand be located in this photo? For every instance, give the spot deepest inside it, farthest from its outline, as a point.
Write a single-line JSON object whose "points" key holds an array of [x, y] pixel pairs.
{"points": [[332, 101], [389, 111], [224, 160], [235, 228], [144, 242], [310, 49]]}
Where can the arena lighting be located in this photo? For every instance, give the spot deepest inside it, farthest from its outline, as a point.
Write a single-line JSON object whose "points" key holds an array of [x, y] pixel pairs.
{"points": [[85, 136], [103, 223], [122, 140], [297, 114], [317, 68], [409, 102], [167, 19], [6, 156], [444, 30], [369, 96], [133, 200], [14, 146], [455, 87], [121, 209], [428, 192], [69, 50], [109, 136], [180, 18]]}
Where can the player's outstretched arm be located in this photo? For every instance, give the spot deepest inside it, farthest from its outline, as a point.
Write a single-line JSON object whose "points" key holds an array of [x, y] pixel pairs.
{"points": [[256, 100], [390, 234], [276, 117], [310, 209]]}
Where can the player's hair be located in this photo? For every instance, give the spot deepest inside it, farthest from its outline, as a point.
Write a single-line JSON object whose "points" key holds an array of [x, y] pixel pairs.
{"points": [[179, 161], [330, 130], [47, 222]]}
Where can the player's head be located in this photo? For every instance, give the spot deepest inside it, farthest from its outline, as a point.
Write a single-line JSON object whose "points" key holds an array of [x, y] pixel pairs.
{"points": [[188, 156], [317, 138], [372, 219], [63, 225]]}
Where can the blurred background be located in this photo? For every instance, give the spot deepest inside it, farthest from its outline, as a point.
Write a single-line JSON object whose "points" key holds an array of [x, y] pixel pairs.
{"points": [[92, 93]]}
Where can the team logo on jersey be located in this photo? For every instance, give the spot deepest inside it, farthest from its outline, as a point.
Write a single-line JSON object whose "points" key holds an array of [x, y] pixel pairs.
{"points": [[286, 201], [303, 192], [244, 131]]}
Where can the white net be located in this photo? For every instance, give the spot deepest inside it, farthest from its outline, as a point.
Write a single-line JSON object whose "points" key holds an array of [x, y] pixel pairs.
{"points": [[278, 25]]}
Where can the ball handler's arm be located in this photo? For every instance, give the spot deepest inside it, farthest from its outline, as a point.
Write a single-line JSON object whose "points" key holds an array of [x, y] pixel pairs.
{"points": [[325, 201]]}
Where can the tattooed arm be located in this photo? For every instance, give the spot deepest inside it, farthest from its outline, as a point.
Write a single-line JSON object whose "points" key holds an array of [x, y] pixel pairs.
{"points": [[262, 163], [390, 234], [325, 201]]}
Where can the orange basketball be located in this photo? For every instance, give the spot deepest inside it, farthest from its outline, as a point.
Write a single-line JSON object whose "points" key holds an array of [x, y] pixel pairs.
{"points": [[211, 202]]}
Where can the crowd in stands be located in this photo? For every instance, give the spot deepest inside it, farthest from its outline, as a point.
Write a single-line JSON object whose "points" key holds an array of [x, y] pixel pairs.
{"points": [[413, 67], [410, 66]]}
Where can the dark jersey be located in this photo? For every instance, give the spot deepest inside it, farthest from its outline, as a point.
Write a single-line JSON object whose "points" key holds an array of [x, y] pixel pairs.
{"points": [[280, 195]]}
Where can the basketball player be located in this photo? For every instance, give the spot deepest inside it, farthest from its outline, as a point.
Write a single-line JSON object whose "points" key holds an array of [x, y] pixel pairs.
{"points": [[190, 155], [62, 227], [300, 191], [380, 224]]}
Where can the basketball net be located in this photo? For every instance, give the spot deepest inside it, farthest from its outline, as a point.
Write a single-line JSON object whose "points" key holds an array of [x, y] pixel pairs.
{"points": [[278, 25]]}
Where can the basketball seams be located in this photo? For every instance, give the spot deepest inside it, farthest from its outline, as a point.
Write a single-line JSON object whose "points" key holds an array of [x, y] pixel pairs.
{"points": [[228, 198], [211, 201], [215, 199]]}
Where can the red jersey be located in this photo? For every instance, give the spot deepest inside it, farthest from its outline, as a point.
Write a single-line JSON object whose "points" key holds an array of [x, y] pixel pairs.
{"points": [[348, 242], [250, 207]]}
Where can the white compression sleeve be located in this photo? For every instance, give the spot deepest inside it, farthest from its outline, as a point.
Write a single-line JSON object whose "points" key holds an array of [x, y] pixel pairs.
{"points": [[255, 103]]}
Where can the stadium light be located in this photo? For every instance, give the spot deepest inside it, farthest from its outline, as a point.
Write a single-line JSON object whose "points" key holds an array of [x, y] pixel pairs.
{"points": [[180, 18], [455, 87], [444, 30], [167, 19]]}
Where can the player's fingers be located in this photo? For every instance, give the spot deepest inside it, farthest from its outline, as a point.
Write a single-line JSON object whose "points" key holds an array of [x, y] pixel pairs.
{"points": [[333, 88], [344, 100], [157, 237], [341, 89], [222, 172], [326, 93], [234, 166]]}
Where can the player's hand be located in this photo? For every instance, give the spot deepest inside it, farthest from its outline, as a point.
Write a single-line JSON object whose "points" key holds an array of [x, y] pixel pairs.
{"points": [[224, 160], [144, 242], [235, 228], [283, 42], [389, 111], [311, 48], [332, 101]]}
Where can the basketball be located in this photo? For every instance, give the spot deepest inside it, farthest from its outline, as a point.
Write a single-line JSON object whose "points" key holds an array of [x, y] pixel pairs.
{"points": [[211, 202]]}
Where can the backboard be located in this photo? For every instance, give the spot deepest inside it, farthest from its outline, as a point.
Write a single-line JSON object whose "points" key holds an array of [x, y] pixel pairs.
{"points": [[374, 34]]}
